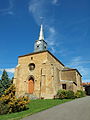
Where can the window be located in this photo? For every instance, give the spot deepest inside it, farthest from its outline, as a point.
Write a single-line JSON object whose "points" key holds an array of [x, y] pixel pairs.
{"points": [[31, 58], [45, 47], [64, 86], [31, 66]]}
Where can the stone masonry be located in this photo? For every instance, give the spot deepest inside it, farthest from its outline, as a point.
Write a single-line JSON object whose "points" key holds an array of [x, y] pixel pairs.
{"points": [[45, 76]]}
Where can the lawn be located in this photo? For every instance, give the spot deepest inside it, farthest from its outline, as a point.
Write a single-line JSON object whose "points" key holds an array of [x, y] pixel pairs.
{"points": [[34, 107]]}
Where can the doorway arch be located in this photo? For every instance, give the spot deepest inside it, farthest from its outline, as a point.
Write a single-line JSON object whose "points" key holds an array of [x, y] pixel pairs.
{"points": [[31, 85]]}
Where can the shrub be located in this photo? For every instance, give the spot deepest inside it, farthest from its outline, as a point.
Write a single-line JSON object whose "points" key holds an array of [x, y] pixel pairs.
{"points": [[9, 103], [3, 108], [80, 94], [65, 94], [70, 94], [61, 94]]}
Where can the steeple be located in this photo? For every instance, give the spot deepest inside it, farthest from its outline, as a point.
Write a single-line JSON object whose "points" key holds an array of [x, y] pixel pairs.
{"points": [[40, 44], [41, 35]]}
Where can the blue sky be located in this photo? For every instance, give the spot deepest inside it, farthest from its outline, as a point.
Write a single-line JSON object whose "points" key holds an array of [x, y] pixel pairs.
{"points": [[66, 27]]}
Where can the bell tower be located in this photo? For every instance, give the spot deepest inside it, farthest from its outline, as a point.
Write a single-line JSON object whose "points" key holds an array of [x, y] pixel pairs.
{"points": [[40, 44]]}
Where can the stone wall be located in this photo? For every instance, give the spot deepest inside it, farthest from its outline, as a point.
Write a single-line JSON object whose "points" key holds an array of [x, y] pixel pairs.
{"points": [[79, 81], [74, 76], [68, 75], [47, 75], [23, 73]]}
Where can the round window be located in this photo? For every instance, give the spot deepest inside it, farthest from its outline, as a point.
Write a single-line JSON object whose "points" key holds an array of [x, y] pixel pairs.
{"points": [[31, 66]]}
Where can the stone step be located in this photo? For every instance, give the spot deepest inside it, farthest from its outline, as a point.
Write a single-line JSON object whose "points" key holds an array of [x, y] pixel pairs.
{"points": [[31, 96]]}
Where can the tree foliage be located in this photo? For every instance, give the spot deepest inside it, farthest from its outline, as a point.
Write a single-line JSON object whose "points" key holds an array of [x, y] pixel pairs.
{"points": [[4, 82], [68, 94], [80, 94], [10, 103], [65, 94]]}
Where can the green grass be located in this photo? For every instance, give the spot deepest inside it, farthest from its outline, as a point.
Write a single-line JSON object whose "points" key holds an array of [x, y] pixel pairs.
{"points": [[34, 107]]}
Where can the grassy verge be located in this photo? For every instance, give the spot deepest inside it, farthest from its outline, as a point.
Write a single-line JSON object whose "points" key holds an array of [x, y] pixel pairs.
{"points": [[34, 107]]}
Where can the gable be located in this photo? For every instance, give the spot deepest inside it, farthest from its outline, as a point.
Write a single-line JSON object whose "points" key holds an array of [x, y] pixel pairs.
{"points": [[49, 55]]}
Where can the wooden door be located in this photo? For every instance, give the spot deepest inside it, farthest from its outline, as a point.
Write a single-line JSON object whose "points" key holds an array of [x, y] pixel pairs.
{"points": [[31, 86]]}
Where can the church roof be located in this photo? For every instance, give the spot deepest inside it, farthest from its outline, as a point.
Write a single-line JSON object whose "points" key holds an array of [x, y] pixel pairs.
{"points": [[42, 52]]}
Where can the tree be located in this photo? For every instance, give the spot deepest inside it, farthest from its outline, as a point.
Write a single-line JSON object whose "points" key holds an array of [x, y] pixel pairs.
{"points": [[4, 82], [10, 103]]}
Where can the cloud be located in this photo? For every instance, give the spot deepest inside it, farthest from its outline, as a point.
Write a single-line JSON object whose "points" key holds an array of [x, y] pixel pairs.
{"points": [[55, 2], [9, 70], [8, 10], [52, 30], [86, 80], [42, 13], [53, 43], [51, 39], [0, 76], [77, 62], [37, 8], [40, 10]]}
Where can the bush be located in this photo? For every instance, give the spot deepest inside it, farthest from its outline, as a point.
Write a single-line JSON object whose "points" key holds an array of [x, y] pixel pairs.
{"points": [[3, 108], [65, 94], [9, 103], [61, 94], [80, 94], [70, 94]]}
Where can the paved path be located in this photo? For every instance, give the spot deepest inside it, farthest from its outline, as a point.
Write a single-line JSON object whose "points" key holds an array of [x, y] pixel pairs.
{"points": [[78, 109]]}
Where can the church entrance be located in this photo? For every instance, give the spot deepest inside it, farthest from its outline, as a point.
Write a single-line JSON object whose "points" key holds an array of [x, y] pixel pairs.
{"points": [[31, 85]]}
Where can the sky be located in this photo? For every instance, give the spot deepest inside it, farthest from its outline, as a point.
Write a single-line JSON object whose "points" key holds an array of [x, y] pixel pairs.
{"points": [[66, 29]]}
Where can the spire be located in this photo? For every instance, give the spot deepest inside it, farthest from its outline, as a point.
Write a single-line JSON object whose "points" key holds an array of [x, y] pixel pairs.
{"points": [[40, 44], [41, 36]]}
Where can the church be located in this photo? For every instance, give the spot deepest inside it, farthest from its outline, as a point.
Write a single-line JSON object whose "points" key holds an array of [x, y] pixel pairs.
{"points": [[40, 74]]}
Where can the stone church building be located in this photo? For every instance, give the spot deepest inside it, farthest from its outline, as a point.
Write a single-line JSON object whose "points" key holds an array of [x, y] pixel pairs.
{"points": [[41, 74]]}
